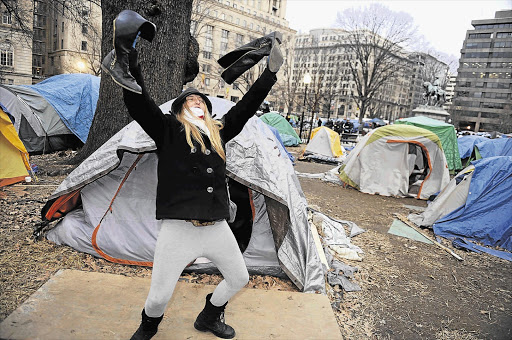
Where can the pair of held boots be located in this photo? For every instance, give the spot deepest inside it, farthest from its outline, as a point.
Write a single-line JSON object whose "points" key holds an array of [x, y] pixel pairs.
{"points": [[211, 319], [129, 26]]}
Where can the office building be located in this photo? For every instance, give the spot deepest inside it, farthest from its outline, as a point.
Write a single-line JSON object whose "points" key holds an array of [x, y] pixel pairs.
{"points": [[483, 90], [220, 26]]}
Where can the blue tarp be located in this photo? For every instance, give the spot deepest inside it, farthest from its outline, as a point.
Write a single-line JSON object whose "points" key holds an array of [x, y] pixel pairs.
{"points": [[486, 216], [74, 97], [495, 147], [467, 144]]}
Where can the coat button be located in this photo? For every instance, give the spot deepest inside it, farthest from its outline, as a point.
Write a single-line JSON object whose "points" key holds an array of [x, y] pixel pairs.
{"points": [[209, 170], [209, 189], [207, 152], [193, 150]]}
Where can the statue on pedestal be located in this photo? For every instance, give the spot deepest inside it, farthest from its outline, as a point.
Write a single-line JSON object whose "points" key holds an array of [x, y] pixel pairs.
{"points": [[434, 95]]}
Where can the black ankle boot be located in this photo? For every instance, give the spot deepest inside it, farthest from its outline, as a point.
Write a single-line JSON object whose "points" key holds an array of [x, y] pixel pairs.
{"points": [[148, 327], [128, 25], [211, 319], [243, 58]]}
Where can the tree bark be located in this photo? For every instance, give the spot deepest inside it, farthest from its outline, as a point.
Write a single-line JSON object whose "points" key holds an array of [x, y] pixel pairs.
{"points": [[162, 61]]}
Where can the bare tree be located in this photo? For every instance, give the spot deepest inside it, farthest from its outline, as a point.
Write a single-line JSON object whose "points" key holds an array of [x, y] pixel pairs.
{"points": [[162, 63], [286, 88], [376, 37]]}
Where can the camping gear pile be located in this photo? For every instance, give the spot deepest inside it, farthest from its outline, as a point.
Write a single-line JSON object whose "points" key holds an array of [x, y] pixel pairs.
{"points": [[108, 204], [55, 114]]}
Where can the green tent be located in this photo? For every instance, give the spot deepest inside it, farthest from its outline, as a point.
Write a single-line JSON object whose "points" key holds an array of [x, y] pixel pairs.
{"points": [[445, 132], [286, 131]]}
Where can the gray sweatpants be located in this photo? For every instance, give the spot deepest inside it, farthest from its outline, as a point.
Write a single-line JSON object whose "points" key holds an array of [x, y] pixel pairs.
{"points": [[179, 243]]}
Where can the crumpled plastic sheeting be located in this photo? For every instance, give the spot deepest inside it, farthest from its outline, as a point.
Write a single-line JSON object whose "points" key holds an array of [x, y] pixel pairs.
{"points": [[353, 227], [330, 176], [334, 236], [342, 275]]}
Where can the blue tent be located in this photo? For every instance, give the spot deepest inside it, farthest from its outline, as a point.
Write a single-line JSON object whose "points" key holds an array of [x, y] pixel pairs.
{"points": [[495, 147], [467, 144], [74, 97], [485, 216], [281, 144]]}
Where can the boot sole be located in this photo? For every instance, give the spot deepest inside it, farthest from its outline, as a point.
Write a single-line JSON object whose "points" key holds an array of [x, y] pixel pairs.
{"points": [[206, 329], [118, 83]]}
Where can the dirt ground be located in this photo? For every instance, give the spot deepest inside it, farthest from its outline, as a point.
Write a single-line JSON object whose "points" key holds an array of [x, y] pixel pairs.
{"points": [[410, 289]]}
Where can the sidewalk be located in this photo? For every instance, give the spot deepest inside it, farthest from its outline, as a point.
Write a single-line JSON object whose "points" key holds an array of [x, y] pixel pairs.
{"points": [[87, 305]]}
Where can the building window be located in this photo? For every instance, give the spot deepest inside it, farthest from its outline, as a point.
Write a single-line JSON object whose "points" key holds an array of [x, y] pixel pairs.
{"points": [[6, 57], [84, 45], [61, 44], [239, 40], [208, 42], [6, 18], [235, 99], [207, 81], [504, 35], [224, 42], [85, 29], [52, 61], [10, 81], [62, 27]]}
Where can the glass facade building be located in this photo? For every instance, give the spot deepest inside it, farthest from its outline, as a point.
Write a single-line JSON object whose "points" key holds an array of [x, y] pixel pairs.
{"points": [[482, 100]]}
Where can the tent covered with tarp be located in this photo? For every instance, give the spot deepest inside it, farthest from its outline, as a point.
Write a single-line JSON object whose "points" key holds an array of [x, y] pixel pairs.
{"points": [[117, 183], [493, 147], [54, 114], [286, 131], [446, 133], [476, 205], [467, 145], [14, 160], [325, 146], [397, 160]]}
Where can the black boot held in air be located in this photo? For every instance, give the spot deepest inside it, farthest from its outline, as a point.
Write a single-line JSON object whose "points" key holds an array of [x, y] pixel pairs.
{"points": [[211, 319], [148, 327], [243, 58], [128, 26]]}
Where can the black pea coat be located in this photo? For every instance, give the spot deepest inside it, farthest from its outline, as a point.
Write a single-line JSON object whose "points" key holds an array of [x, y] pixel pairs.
{"points": [[192, 184]]}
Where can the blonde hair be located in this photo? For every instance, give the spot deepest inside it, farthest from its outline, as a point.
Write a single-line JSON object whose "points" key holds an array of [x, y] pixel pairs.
{"points": [[192, 131]]}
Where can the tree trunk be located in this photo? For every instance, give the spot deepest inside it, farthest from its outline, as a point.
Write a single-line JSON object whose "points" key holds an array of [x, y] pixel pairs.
{"points": [[162, 62]]}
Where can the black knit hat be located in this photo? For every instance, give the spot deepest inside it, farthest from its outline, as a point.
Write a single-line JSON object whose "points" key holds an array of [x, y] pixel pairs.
{"points": [[178, 102]]}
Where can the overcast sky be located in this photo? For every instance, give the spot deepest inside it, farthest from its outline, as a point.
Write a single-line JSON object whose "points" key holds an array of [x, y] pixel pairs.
{"points": [[443, 22]]}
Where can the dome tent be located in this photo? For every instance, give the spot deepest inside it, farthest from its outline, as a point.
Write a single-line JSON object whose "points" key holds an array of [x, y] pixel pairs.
{"points": [[325, 145], [397, 160], [446, 133], [14, 162], [287, 133], [54, 114], [120, 178]]}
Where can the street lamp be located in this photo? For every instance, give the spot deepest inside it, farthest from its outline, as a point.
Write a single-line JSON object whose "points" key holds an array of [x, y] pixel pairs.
{"points": [[306, 81]]}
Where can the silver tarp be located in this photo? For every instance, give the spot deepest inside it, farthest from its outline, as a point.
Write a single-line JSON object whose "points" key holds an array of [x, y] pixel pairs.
{"points": [[129, 230]]}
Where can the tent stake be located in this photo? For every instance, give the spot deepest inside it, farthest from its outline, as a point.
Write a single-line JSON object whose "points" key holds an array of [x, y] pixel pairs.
{"points": [[412, 225]]}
